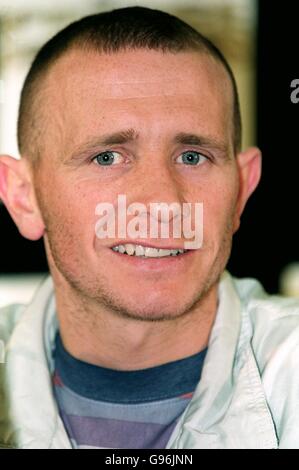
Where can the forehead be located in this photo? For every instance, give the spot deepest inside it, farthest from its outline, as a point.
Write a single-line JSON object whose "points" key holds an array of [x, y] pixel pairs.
{"points": [[88, 92]]}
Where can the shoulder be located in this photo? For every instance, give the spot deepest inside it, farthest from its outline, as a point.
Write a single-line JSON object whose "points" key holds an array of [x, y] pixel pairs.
{"points": [[9, 317], [263, 307], [12, 315], [273, 320], [273, 323], [270, 321]]}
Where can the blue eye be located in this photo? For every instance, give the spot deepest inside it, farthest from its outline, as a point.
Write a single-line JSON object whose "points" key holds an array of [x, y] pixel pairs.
{"points": [[191, 157], [106, 158]]}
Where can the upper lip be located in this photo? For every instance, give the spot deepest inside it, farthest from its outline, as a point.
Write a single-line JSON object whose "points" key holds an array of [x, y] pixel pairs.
{"points": [[147, 245]]}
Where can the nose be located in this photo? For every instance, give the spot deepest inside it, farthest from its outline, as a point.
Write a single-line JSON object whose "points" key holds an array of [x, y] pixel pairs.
{"points": [[159, 192], [158, 183]]}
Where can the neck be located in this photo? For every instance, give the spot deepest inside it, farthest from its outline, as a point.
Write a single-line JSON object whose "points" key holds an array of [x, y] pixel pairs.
{"points": [[92, 333]]}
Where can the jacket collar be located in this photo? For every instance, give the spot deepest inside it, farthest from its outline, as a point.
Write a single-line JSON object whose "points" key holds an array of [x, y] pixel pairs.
{"points": [[33, 420], [228, 408]]}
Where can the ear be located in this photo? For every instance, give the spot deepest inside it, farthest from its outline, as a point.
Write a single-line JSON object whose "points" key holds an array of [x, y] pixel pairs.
{"points": [[250, 166], [17, 193]]}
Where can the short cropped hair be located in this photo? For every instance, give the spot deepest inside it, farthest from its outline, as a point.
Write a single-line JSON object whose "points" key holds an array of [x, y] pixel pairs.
{"points": [[110, 32]]}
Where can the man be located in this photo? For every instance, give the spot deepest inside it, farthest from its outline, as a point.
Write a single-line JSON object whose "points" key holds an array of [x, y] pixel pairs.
{"points": [[131, 343]]}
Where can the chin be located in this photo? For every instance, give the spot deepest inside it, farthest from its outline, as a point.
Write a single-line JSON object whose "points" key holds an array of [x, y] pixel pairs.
{"points": [[151, 315], [152, 307]]}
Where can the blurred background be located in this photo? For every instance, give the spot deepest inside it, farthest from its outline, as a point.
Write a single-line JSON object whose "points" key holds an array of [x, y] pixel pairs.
{"points": [[252, 36]]}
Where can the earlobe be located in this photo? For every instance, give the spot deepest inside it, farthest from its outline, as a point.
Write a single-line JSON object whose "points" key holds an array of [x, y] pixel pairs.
{"points": [[249, 167], [17, 193]]}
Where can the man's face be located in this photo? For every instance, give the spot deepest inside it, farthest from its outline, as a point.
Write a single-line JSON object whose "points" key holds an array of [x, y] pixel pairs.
{"points": [[159, 96]]}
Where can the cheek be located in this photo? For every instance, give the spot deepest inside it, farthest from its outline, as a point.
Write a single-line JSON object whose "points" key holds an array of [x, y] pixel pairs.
{"points": [[68, 212], [70, 218], [219, 207]]}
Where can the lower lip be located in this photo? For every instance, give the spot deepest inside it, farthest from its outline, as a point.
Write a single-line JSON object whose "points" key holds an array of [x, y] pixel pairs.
{"points": [[154, 264]]}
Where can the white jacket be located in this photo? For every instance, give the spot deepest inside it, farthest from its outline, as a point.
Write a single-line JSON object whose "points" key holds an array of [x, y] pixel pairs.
{"points": [[247, 397]]}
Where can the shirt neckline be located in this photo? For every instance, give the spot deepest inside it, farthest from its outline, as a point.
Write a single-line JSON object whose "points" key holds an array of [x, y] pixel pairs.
{"points": [[165, 381]]}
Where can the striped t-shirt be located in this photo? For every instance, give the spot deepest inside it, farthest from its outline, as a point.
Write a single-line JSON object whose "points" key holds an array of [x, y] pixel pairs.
{"points": [[107, 408]]}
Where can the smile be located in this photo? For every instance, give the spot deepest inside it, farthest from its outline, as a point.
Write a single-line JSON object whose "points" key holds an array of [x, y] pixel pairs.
{"points": [[146, 252]]}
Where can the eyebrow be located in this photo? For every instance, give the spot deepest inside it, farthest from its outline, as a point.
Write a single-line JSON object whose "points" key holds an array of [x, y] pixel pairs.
{"points": [[130, 135], [121, 137], [205, 141]]}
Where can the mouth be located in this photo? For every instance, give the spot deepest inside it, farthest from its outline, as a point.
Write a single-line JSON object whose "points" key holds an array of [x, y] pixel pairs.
{"points": [[147, 252]]}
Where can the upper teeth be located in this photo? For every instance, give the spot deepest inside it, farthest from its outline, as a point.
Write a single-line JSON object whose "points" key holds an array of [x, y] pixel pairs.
{"points": [[139, 250]]}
